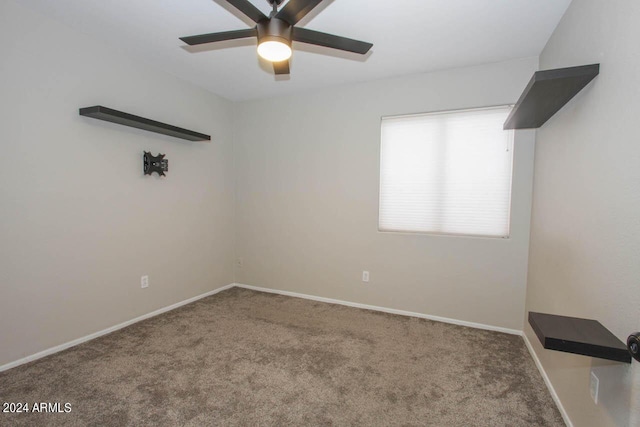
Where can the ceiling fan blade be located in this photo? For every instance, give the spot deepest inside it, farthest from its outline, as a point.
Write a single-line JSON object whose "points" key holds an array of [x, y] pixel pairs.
{"points": [[248, 9], [281, 67], [295, 10], [219, 37], [329, 40]]}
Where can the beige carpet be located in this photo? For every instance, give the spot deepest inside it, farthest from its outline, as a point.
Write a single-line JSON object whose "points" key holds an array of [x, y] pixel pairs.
{"points": [[249, 358]]}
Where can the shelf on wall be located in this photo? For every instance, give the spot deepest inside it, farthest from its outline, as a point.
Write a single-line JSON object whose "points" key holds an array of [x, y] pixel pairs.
{"points": [[126, 119], [547, 92], [579, 336]]}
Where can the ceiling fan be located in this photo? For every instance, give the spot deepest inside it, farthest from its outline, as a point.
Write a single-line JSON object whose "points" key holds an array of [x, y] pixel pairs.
{"points": [[276, 32]]}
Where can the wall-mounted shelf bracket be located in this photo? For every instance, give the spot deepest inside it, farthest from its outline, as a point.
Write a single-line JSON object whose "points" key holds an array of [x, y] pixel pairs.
{"points": [[579, 336], [547, 92], [126, 119]]}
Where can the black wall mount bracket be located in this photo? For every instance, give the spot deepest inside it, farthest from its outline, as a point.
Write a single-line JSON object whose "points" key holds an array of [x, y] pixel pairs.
{"points": [[157, 164], [633, 345]]}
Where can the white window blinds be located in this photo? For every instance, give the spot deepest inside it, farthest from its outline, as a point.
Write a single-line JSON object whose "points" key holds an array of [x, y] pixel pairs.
{"points": [[447, 173]]}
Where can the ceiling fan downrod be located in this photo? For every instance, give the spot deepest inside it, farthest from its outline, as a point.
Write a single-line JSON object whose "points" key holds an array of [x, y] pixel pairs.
{"points": [[274, 4]]}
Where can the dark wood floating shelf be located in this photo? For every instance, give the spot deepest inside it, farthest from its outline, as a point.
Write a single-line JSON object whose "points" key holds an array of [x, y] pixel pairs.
{"points": [[578, 336], [547, 92], [115, 116]]}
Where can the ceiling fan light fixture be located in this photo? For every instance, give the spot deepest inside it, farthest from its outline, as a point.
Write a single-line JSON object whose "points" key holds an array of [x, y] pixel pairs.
{"points": [[274, 50], [274, 40]]}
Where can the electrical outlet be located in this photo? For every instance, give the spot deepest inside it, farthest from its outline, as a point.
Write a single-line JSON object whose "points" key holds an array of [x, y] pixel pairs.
{"points": [[239, 262], [144, 282], [593, 387], [365, 276]]}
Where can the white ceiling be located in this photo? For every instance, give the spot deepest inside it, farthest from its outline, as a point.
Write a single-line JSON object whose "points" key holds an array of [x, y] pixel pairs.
{"points": [[408, 36]]}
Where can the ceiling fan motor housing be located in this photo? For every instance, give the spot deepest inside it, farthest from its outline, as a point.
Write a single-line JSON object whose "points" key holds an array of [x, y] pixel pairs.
{"points": [[274, 29]]}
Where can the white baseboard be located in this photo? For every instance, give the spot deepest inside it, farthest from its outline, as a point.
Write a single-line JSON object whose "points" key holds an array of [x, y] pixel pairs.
{"points": [[384, 309], [547, 381], [89, 337]]}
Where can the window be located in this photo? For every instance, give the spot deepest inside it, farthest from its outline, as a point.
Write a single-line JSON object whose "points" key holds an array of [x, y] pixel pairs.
{"points": [[447, 173]]}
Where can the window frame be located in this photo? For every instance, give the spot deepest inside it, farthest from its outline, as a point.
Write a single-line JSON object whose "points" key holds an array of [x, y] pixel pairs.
{"points": [[445, 234]]}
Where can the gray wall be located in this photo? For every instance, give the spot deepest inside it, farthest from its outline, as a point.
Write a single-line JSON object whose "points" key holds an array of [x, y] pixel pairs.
{"points": [[307, 201], [79, 224], [585, 232]]}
